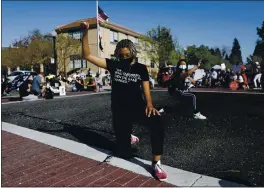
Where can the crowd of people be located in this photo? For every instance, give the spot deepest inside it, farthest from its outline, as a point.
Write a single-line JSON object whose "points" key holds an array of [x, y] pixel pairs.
{"points": [[131, 101], [243, 78], [80, 81], [39, 85]]}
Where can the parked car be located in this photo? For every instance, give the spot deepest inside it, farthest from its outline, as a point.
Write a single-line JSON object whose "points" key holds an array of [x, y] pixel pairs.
{"points": [[11, 77], [17, 78]]}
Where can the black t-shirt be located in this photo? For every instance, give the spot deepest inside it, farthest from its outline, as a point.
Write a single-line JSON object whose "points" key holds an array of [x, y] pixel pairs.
{"points": [[178, 80], [126, 82]]}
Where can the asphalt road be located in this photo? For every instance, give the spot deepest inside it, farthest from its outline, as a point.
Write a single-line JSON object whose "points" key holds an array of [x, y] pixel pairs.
{"points": [[229, 145]]}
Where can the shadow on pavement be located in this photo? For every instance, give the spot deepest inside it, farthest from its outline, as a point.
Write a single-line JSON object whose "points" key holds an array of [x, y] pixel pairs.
{"points": [[224, 183], [97, 141], [242, 178]]}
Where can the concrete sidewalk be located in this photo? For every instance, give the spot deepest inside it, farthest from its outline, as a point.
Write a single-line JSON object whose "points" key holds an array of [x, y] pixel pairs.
{"points": [[27, 163]]}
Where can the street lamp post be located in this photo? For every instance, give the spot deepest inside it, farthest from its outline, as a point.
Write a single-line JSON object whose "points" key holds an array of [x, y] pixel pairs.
{"points": [[54, 66]]}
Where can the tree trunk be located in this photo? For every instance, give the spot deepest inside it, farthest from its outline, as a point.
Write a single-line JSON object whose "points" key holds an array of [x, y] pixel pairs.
{"points": [[64, 68]]}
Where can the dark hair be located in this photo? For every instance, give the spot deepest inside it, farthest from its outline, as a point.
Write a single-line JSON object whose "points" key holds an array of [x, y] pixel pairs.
{"points": [[178, 70], [125, 43]]}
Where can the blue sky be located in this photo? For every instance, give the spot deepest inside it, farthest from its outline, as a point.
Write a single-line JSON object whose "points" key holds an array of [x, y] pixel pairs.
{"points": [[215, 24]]}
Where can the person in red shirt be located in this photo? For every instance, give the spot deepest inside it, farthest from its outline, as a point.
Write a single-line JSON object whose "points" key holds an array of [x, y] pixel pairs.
{"points": [[243, 73]]}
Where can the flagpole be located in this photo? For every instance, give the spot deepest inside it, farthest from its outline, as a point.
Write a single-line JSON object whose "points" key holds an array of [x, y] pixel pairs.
{"points": [[98, 28]]}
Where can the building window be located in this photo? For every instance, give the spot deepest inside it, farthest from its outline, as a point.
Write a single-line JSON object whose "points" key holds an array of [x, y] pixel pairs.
{"points": [[84, 63], [77, 62], [76, 35], [113, 36]]}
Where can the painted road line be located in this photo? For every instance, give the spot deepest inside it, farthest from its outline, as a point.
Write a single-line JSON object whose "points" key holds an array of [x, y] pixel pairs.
{"points": [[160, 90], [176, 176], [59, 97], [226, 92]]}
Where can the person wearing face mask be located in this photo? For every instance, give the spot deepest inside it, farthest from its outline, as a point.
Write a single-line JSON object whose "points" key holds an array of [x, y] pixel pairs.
{"points": [[131, 100], [178, 87]]}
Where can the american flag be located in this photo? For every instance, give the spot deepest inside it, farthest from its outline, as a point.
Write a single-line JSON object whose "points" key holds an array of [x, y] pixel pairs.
{"points": [[101, 15]]}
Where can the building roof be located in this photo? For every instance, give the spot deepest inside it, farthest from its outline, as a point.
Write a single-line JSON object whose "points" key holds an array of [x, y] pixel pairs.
{"points": [[93, 24]]}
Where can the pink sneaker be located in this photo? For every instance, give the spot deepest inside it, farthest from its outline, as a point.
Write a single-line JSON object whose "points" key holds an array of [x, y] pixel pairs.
{"points": [[134, 139], [158, 172]]}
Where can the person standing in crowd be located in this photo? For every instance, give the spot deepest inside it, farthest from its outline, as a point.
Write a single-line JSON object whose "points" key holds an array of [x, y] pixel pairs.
{"points": [[129, 79], [107, 79], [257, 80], [213, 78], [99, 82], [245, 79], [227, 78], [240, 80], [178, 87], [89, 72]]}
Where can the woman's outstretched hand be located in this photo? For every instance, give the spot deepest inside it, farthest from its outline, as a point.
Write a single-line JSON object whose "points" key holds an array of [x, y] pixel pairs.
{"points": [[84, 25], [151, 110]]}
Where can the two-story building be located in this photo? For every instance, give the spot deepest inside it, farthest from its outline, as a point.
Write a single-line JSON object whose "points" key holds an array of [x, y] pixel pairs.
{"points": [[111, 33]]}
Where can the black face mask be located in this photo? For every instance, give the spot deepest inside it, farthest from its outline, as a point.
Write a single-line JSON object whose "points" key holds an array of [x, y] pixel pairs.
{"points": [[127, 61]]}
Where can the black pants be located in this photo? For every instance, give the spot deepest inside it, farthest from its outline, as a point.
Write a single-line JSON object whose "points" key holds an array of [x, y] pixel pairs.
{"points": [[123, 120], [4, 85], [79, 87], [213, 82], [186, 96]]}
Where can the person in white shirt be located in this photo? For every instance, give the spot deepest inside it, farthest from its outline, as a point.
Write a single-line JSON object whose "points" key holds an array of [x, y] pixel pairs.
{"points": [[213, 78], [99, 82], [240, 80], [257, 80]]}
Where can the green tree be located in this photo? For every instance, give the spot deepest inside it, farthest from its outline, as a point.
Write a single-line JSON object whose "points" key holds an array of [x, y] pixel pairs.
{"points": [[235, 56], [173, 58], [148, 49], [66, 47], [35, 48], [162, 39], [204, 53], [226, 57], [260, 32], [259, 49], [218, 53]]}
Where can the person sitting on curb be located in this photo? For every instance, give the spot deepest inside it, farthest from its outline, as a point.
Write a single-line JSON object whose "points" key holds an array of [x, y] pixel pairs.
{"points": [[91, 85], [79, 84], [129, 80], [37, 84]]}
